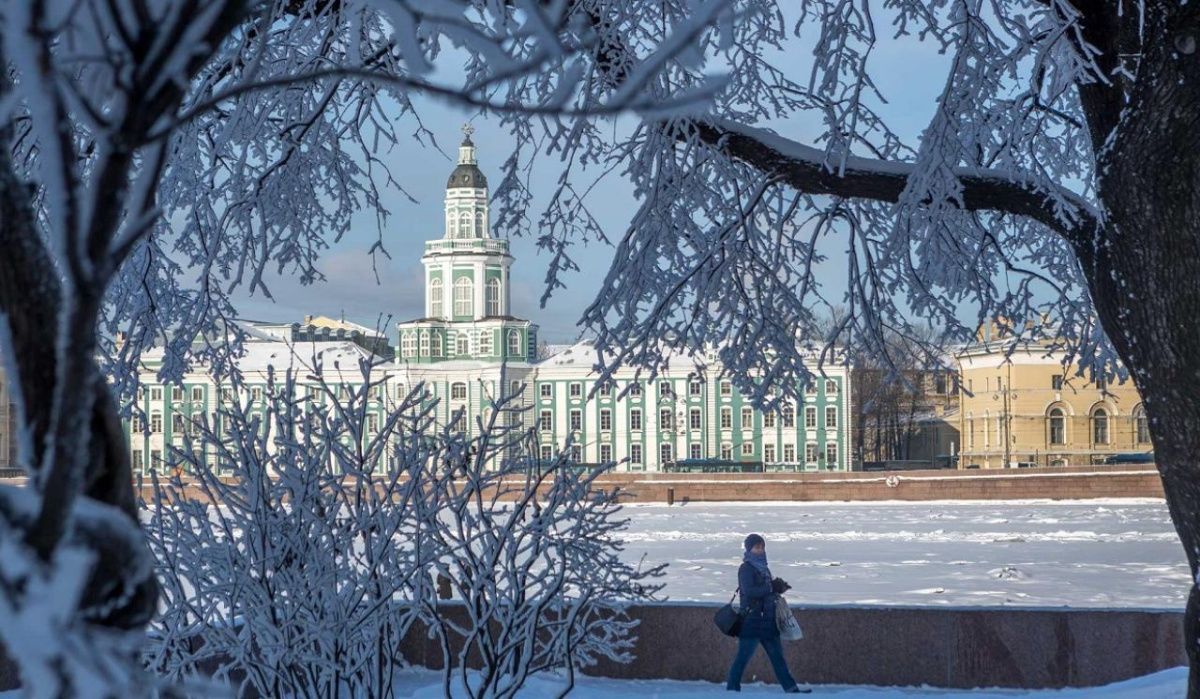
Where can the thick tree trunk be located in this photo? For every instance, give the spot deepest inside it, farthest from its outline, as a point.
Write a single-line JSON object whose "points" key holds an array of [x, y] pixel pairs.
{"points": [[1144, 272]]}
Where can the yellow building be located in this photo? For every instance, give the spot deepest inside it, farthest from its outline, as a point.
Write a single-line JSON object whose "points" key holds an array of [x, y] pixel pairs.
{"points": [[1028, 409]]}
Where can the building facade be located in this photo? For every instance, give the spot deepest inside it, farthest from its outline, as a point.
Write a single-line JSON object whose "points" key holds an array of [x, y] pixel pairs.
{"points": [[468, 352], [1027, 408]]}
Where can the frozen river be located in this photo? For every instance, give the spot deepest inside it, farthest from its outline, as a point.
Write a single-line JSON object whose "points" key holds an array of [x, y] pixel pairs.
{"points": [[1094, 553]]}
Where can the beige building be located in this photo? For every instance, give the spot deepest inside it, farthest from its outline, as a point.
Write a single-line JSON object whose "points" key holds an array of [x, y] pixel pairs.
{"points": [[1028, 409]]}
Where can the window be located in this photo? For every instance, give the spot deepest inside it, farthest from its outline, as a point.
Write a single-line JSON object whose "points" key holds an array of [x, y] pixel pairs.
{"points": [[605, 420], [747, 418], [694, 388], [727, 451], [135, 423], [156, 393], [635, 389], [372, 423], [576, 419], [726, 417], [407, 345], [789, 453], [514, 344], [401, 391], [545, 421], [545, 390], [458, 419], [635, 453], [462, 344], [485, 343], [458, 391], [664, 453], [769, 419], [831, 454], [462, 297], [1058, 427], [664, 419], [789, 416], [1100, 426], [547, 452], [606, 389], [197, 394], [177, 423], [492, 293], [424, 344], [176, 393], [435, 298], [811, 386], [226, 395], [810, 453], [664, 389], [810, 417], [1056, 382], [576, 389], [939, 383], [748, 448], [726, 389], [768, 452], [156, 458], [514, 388], [136, 457], [830, 418], [694, 418], [635, 419], [576, 453], [605, 453], [156, 423], [830, 386], [1101, 384], [1141, 425], [694, 450]]}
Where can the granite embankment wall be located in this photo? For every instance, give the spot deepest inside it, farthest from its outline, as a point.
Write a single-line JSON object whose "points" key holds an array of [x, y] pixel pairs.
{"points": [[1069, 483], [905, 646]]}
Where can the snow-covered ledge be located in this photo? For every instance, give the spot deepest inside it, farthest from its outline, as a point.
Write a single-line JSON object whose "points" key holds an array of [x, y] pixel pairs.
{"points": [[962, 647]]}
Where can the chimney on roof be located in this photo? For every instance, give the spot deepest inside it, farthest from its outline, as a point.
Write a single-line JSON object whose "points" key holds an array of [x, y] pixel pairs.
{"points": [[308, 319]]}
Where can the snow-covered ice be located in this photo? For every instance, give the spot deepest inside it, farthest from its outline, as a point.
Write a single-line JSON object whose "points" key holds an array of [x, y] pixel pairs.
{"points": [[1161, 685], [1085, 553]]}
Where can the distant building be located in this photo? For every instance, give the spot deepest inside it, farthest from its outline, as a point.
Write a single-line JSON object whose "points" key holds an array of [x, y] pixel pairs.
{"points": [[468, 350], [913, 421], [1029, 409]]}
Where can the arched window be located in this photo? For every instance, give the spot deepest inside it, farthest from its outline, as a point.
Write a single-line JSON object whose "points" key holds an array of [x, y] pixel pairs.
{"points": [[1100, 426], [1141, 425], [485, 342], [463, 344], [436, 340], [514, 343], [435, 298], [464, 224], [479, 231], [451, 225], [462, 297], [1057, 424], [458, 391], [493, 297]]}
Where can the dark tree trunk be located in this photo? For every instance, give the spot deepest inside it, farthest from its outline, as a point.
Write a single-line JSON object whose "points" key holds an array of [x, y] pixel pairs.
{"points": [[1144, 271]]}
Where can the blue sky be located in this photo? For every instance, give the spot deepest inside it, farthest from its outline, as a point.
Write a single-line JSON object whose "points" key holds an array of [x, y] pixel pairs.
{"points": [[909, 74]]}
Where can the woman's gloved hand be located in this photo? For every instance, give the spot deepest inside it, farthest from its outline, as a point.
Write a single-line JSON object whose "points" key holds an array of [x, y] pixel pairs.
{"points": [[779, 586]]}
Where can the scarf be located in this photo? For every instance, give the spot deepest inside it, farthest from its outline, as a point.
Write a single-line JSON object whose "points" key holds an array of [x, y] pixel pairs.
{"points": [[759, 562]]}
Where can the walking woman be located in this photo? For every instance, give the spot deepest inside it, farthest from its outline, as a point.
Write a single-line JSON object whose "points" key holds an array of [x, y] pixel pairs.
{"points": [[757, 599]]}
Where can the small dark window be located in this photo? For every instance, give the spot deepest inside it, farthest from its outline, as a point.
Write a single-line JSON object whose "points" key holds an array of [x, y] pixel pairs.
{"points": [[1056, 382]]}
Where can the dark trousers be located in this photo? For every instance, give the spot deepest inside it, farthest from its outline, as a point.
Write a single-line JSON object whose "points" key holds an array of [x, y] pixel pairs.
{"points": [[774, 649]]}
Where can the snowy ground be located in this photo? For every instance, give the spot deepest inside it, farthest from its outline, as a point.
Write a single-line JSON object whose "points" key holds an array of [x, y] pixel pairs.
{"points": [[1163, 685], [1087, 553]]}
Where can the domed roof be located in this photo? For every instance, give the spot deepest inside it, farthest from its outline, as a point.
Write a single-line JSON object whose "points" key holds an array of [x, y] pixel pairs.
{"points": [[467, 175]]}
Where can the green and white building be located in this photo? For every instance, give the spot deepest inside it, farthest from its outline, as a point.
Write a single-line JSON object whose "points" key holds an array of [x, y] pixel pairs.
{"points": [[468, 350]]}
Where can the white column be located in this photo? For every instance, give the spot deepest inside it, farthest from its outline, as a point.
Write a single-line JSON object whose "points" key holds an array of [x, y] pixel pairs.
{"points": [[480, 308]]}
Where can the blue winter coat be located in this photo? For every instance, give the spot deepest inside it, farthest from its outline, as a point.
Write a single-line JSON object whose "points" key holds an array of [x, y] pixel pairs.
{"points": [[757, 603]]}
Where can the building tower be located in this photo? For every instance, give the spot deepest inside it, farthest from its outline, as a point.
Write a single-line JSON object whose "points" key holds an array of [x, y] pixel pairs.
{"points": [[467, 295]]}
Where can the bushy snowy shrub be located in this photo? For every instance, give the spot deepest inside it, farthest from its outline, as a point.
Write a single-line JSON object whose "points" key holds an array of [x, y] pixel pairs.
{"points": [[296, 559]]}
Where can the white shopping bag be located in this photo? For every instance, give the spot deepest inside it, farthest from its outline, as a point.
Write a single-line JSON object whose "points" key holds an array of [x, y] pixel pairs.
{"points": [[789, 628]]}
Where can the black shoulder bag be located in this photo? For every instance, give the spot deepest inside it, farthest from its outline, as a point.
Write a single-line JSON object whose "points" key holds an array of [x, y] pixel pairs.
{"points": [[728, 619]]}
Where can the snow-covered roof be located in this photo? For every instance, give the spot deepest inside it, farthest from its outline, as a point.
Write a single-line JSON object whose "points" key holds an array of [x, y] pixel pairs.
{"points": [[260, 356]]}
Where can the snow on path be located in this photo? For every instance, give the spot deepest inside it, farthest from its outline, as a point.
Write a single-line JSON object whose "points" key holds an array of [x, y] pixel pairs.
{"points": [[1085, 553], [1168, 684]]}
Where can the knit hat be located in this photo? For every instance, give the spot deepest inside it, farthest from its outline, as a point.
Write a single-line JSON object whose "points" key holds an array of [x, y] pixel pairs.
{"points": [[753, 540]]}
